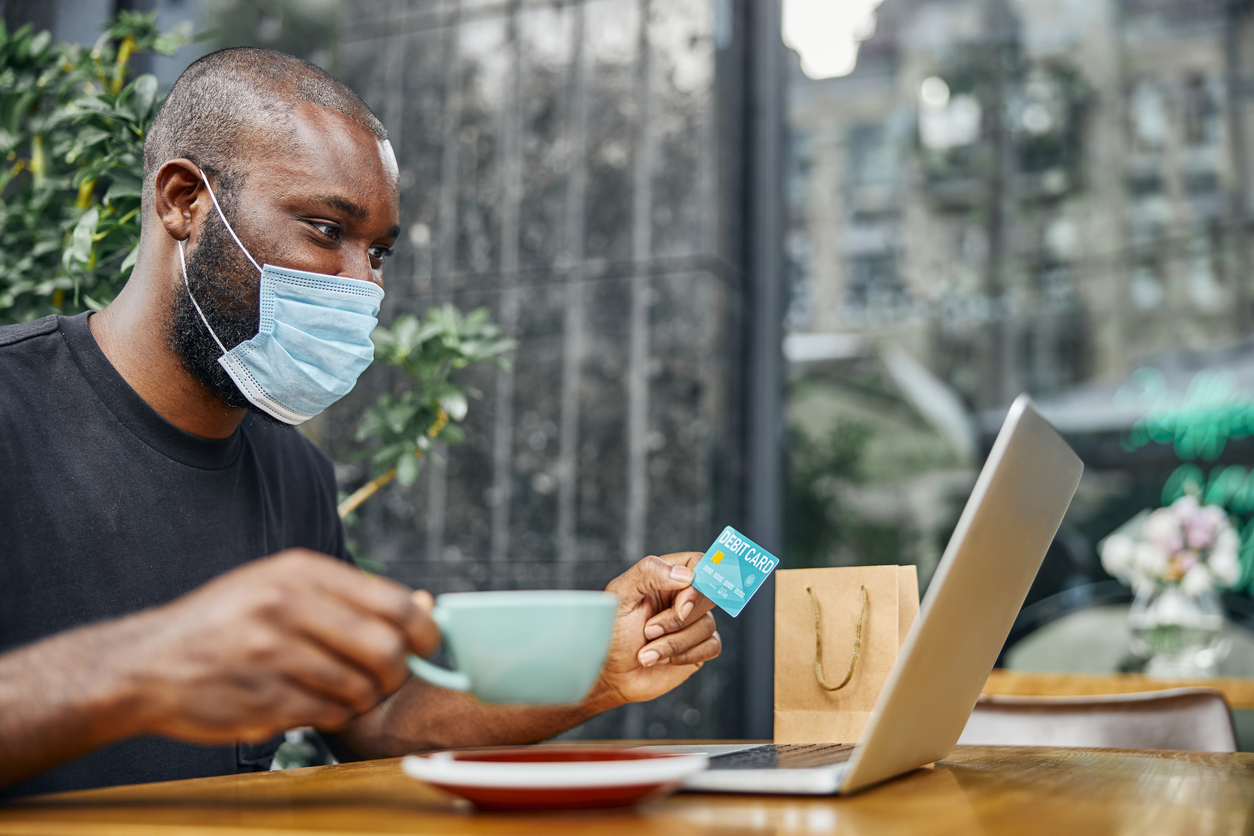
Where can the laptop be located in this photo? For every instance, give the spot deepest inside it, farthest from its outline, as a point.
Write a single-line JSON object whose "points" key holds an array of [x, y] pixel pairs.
{"points": [[983, 577]]}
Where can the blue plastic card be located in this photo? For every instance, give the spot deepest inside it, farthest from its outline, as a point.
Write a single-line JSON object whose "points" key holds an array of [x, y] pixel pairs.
{"points": [[732, 570]]}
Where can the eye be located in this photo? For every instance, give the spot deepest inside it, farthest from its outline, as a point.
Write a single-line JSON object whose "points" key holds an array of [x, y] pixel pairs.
{"points": [[330, 230], [379, 253]]}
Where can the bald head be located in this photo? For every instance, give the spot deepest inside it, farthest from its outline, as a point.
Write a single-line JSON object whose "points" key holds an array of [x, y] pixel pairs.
{"points": [[228, 102]]}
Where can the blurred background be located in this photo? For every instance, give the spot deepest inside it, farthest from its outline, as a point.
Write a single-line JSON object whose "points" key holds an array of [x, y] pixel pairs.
{"points": [[784, 264]]}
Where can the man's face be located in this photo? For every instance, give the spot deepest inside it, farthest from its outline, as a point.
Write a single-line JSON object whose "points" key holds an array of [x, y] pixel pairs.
{"points": [[323, 201]]}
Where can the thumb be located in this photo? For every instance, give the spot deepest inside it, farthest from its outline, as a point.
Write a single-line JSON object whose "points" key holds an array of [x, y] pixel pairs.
{"points": [[651, 578]]}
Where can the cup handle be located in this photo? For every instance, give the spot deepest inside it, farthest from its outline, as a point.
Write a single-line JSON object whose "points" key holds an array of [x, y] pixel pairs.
{"points": [[437, 676], [440, 677]]}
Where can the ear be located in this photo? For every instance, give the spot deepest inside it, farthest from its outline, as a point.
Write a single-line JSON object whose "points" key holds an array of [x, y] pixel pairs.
{"points": [[177, 195]]}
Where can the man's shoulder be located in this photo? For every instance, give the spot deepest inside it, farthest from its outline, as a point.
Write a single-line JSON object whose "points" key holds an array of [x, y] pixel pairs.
{"points": [[11, 335]]}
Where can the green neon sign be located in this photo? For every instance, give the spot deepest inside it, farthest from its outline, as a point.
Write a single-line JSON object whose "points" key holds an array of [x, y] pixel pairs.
{"points": [[1198, 424]]}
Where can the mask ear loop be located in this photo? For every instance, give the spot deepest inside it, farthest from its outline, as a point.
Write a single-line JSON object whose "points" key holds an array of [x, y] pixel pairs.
{"points": [[183, 262], [183, 267], [227, 223]]}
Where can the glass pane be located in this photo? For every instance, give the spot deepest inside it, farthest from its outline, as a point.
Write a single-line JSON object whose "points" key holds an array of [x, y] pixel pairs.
{"points": [[990, 198]]}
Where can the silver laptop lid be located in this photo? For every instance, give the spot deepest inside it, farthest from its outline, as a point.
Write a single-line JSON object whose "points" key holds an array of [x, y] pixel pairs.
{"points": [[992, 558]]}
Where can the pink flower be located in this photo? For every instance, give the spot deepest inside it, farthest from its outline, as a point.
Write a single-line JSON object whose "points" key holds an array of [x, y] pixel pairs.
{"points": [[1198, 531], [1162, 528]]}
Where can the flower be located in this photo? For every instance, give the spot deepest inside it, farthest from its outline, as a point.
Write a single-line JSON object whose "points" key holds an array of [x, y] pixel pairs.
{"points": [[1163, 529], [1185, 505], [1149, 559], [1224, 563], [1188, 545], [1117, 553], [1200, 528], [1179, 564], [1197, 581]]}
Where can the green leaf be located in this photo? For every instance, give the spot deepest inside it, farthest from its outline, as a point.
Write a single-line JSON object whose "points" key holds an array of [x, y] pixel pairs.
{"points": [[407, 467], [13, 108], [39, 43], [80, 242], [452, 434], [133, 256], [144, 95], [125, 185]]}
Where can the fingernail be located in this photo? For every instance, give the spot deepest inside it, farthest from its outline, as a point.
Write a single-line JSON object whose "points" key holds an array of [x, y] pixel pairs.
{"points": [[653, 631], [649, 658], [682, 574], [684, 610]]}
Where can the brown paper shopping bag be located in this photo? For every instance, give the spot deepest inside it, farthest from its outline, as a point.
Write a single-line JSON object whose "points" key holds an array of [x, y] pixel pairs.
{"points": [[837, 633]]}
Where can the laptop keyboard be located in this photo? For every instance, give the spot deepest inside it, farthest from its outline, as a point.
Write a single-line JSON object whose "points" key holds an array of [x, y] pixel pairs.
{"points": [[784, 756]]}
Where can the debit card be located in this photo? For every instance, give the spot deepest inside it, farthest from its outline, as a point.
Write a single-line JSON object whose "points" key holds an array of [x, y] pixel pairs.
{"points": [[732, 570]]}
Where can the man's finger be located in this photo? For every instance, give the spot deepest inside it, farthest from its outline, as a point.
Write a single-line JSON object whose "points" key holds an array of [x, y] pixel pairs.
{"points": [[688, 606], [703, 652], [325, 675], [650, 578], [381, 598], [375, 646], [672, 645]]}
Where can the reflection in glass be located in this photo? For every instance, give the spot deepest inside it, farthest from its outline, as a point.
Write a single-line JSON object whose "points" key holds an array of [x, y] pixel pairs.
{"points": [[1014, 197]]}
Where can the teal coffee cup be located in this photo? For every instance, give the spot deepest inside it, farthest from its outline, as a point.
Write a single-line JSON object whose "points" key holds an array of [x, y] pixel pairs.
{"points": [[543, 647]]}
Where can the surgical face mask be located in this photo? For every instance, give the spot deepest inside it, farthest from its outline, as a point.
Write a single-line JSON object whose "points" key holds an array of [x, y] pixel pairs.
{"points": [[313, 339]]}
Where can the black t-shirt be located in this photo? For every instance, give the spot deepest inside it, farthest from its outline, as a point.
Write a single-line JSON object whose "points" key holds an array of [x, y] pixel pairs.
{"points": [[106, 508]]}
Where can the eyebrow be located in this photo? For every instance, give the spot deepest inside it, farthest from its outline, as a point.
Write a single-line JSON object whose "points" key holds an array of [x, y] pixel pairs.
{"points": [[355, 211]]}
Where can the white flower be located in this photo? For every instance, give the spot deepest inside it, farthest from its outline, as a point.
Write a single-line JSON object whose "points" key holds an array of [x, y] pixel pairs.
{"points": [[1216, 516], [1149, 559], [1117, 553], [1225, 567], [1227, 541], [1184, 506], [1197, 581]]}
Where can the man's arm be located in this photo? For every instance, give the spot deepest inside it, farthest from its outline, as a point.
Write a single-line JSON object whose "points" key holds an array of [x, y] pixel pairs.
{"points": [[296, 639], [663, 634]]}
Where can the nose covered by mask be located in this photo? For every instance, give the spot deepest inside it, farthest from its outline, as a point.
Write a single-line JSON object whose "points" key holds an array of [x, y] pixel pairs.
{"points": [[313, 339]]}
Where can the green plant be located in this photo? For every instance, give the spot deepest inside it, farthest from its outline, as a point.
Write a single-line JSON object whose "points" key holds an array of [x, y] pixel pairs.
{"points": [[429, 350], [71, 137]]}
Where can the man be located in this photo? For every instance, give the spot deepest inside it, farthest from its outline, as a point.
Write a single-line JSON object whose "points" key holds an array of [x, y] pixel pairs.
{"points": [[143, 637]]}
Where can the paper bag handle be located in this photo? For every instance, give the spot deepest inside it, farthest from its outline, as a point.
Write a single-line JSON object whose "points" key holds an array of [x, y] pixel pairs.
{"points": [[818, 644]]}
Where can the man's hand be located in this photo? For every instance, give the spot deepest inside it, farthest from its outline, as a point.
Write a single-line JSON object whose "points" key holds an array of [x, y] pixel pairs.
{"points": [[295, 639], [664, 631]]}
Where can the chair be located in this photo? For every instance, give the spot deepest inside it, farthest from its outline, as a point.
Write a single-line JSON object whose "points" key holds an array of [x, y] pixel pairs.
{"points": [[1194, 719]]}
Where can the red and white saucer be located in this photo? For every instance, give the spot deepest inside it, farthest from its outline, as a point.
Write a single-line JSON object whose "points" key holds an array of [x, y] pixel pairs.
{"points": [[553, 777]]}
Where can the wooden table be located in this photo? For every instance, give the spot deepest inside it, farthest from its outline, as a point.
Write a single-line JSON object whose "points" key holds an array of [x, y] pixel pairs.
{"points": [[977, 790]]}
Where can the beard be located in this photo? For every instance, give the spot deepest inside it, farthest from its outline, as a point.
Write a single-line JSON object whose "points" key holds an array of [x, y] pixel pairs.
{"points": [[227, 286]]}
